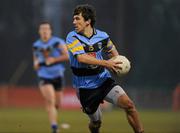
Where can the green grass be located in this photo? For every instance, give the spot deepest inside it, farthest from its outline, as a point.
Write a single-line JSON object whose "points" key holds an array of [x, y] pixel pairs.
{"points": [[35, 121]]}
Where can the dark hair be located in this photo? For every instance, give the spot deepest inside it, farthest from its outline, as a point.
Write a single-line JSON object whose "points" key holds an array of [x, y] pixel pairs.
{"points": [[88, 12], [45, 22]]}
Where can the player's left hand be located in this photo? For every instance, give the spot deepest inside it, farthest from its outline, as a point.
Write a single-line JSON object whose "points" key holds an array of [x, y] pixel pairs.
{"points": [[50, 60]]}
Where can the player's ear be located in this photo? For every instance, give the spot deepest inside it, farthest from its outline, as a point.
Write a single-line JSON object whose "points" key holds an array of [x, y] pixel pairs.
{"points": [[88, 21]]}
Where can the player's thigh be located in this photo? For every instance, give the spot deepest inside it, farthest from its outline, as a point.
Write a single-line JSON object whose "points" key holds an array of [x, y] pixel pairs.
{"points": [[114, 95], [58, 84], [47, 90]]}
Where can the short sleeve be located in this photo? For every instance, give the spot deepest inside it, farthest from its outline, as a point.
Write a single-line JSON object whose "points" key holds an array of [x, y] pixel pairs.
{"points": [[35, 49], [74, 45], [61, 41], [109, 45]]}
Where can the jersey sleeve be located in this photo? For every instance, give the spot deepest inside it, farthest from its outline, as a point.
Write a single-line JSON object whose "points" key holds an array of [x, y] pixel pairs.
{"points": [[61, 42], [35, 50], [109, 45], [74, 46]]}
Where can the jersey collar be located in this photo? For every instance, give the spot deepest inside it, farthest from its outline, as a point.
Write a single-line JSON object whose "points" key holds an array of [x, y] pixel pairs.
{"points": [[94, 33]]}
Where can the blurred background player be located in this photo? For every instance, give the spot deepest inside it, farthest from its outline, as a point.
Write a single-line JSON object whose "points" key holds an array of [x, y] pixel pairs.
{"points": [[48, 54], [90, 76]]}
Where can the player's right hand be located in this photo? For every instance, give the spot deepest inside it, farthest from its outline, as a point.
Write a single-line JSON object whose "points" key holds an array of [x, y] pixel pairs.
{"points": [[36, 65], [112, 65]]}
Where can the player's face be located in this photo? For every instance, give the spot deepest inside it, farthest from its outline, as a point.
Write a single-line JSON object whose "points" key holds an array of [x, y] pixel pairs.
{"points": [[79, 23], [45, 31]]}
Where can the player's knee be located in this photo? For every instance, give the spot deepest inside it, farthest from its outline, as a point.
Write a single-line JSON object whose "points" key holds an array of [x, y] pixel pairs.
{"points": [[130, 107], [50, 102], [126, 103], [96, 124], [57, 106], [50, 105]]}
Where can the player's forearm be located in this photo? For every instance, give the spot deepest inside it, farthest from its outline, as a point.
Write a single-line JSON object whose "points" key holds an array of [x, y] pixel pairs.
{"points": [[64, 54], [84, 58], [35, 64], [64, 57]]}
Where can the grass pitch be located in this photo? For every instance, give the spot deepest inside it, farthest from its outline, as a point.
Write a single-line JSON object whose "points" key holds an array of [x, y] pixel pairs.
{"points": [[36, 121]]}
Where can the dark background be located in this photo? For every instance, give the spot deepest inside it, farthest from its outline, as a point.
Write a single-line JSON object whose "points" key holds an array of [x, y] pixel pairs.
{"points": [[147, 32]]}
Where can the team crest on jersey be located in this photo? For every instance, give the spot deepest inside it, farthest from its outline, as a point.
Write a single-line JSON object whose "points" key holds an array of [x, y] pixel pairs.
{"points": [[99, 45], [91, 48]]}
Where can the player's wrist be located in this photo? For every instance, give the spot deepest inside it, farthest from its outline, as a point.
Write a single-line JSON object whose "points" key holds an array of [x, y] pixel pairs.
{"points": [[104, 63], [56, 60]]}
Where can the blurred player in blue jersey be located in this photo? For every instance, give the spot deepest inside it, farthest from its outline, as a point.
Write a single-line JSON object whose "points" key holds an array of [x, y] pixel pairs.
{"points": [[48, 53], [91, 76]]}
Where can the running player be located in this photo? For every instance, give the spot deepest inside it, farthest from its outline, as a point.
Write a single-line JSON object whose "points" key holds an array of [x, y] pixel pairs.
{"points": [[91, 76], [48, 54]]}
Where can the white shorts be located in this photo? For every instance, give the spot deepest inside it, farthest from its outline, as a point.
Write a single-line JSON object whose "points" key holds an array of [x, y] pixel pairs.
{"points": [[114, 94]]}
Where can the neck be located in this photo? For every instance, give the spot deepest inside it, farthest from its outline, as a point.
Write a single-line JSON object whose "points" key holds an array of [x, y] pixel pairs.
{"points": [[45, 39], [88, 31]]}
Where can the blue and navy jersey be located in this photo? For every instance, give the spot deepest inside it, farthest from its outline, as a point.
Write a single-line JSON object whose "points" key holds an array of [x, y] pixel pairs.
{"points": [[84, 75], [42, 50]]}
